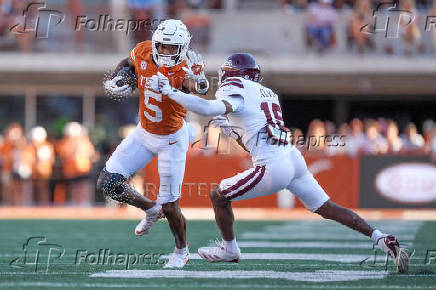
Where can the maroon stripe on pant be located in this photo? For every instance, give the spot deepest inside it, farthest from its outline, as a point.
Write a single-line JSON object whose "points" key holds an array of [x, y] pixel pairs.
{"points": [[250, 186], [241, 182]]}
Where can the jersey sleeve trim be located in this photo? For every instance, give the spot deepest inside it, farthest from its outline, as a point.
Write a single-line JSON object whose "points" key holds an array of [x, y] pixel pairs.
{"points": [[132, 55], [232, 82]]}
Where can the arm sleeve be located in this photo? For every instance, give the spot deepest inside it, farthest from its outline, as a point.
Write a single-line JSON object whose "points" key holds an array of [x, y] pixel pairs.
{"points": [[197, 104]]}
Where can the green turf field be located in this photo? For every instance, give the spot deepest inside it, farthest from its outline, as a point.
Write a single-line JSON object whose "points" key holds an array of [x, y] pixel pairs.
{"points": [[288, 254]]}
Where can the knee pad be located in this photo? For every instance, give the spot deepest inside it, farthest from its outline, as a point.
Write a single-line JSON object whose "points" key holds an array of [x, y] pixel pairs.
{"points": [[113, 185]]}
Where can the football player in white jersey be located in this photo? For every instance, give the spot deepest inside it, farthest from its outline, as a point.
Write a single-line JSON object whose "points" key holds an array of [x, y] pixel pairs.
{"points": [[277, 164]]}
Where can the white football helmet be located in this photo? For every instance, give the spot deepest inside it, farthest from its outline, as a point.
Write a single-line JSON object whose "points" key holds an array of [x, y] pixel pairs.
{"points": [[172, 32]]}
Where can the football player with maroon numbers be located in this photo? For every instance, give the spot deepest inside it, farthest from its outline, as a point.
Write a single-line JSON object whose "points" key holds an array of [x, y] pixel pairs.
{"points": [[244, 103]]}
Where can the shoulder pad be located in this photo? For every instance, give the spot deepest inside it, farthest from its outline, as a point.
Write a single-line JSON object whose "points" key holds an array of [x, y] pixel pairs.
{"points": [[142, 49], [231, 89], [145, 45], [237, 82]]}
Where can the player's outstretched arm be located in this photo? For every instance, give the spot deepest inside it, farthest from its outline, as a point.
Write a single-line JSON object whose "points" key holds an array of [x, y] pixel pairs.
{"points": [[199, 105], [192, 103]]}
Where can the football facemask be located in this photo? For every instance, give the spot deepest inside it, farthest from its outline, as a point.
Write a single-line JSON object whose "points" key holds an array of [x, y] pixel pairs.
{"points": [[172, 32]]}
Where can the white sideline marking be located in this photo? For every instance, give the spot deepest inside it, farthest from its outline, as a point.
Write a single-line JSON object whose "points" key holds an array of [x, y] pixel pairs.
{"points": [[333, 225], [392, 228], [196, 286], [378, 223], [316, 276], [386, 227], [324, 245], [336, 230], [295, 256], [320, 236]]}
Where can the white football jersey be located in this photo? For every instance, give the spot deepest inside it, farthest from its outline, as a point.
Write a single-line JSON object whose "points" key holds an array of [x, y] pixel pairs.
{"points": [[258, 118]]}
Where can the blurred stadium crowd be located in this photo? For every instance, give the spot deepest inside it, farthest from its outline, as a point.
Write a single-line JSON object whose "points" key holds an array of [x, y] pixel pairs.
{"points": [[29, 164], [323, 23], [370, 136], [39, 169], [322, 17], [57, 161]]}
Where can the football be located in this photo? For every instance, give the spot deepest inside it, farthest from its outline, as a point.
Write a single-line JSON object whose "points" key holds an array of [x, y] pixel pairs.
{"points": [[129, 77]]}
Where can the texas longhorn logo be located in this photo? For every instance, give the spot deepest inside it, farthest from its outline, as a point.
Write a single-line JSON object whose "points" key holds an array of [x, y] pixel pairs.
{"points": [[38, 19]]}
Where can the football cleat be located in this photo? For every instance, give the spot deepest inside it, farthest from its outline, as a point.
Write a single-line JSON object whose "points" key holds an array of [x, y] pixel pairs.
{"points": [[150, 219], [390, 245], [178, 259], [219, 253]]}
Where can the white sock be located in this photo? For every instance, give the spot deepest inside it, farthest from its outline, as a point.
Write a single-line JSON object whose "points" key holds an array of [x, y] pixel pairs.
{"points": [[182, 250], [232, 246], [376, 235], [154, 208]]}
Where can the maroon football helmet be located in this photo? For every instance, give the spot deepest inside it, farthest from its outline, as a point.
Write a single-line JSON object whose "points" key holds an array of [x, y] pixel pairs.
{"points": [[240, 65]]}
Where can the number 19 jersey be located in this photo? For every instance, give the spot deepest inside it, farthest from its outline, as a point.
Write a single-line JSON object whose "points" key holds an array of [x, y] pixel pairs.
{"points": [[257, 118], [158, 113]]}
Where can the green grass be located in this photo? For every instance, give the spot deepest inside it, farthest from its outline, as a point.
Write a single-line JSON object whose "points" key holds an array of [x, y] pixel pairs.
{"points": [[118, 237]]}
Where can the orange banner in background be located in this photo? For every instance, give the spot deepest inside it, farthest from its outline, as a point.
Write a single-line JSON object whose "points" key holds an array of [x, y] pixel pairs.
{"points": [[202, 174], [338, 175]]}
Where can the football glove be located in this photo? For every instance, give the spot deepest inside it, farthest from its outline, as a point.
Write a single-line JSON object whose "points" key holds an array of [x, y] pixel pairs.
{"points": [[111, 87], [195, 63], [196, 71], [163, 84], [223, 123], [153, 83]]}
